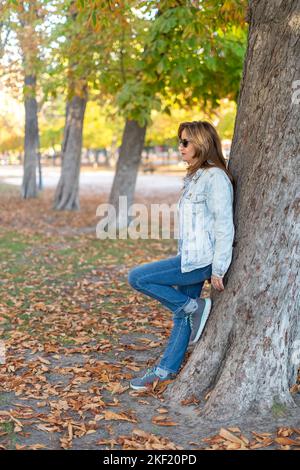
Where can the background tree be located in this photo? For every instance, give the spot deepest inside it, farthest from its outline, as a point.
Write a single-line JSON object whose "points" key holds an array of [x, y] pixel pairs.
{"points": [[172, 49], [116, 65], [74, 53], [23, 19], [85, 51], [248, 357]]}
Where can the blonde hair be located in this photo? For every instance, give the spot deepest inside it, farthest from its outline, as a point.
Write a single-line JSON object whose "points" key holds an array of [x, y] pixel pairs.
{"points": [[207, 144]]}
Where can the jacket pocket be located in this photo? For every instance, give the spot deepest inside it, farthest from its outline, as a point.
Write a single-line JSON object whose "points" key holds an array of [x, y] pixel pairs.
{"points": [[198, 199], [197, 203]]}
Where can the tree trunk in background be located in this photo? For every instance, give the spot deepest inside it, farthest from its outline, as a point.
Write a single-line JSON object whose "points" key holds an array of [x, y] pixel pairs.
{"points": [[67, 191], [249, 353], [31, 141], [127, 167], [40, 184]]}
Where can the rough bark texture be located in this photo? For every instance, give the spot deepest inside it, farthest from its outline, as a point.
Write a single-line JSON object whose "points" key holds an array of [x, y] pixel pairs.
{"points": [[67, 191], [247, 357], [31, 141], [40, 184], [127, 166]]}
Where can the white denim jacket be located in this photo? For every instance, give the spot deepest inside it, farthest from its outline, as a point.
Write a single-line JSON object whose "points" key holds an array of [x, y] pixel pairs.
{"points": [[206, 229]]}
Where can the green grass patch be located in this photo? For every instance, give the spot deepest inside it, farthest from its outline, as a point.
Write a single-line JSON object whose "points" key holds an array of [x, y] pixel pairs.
{"points": [[40, 269], [10, 245]]}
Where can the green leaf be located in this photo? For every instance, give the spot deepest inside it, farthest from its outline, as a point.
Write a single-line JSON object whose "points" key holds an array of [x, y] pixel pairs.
{"points": [[94, 17]]}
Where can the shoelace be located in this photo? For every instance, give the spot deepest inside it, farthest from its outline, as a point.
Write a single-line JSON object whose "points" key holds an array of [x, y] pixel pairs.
{"points": [[149, 372], [152, 371], [189, 317]]}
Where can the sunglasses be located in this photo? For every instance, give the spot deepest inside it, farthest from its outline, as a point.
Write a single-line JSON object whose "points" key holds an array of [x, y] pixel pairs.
{"points": [[184, 142]]}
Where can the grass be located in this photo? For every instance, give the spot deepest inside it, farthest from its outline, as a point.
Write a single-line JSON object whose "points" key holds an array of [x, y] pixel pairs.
{"points": [[7, 427], [31, 284], [279, 410], [8, 188], [11, 437]]}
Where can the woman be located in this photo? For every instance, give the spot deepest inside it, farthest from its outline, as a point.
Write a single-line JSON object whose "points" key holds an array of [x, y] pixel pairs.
{"points": [[206, 233]]}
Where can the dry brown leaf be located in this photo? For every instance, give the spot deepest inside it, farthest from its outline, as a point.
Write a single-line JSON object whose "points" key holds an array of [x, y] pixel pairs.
{"points": [[234, 429], [163, 421], [140, 432], [265, 443], [18, 447], [233, 446], [244, 439], [44, 361], [230, 437], [285, 432], [110, 415], [70, 431], [37, 446], [162, 410], [116, 388], [17, 429], [286, 441], [190, 401], [112, 442]]}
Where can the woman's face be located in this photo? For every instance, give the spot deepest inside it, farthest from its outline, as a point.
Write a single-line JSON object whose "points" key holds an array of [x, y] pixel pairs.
{"points": [[188, 152]]}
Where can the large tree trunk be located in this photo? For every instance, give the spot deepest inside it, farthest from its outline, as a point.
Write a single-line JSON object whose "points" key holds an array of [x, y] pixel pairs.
{"points": [[31, 141], [127, 168], [249, 353], [67, 191]]}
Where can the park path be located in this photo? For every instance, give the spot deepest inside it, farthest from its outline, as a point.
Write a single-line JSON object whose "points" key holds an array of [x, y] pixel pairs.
{"points": [[99, 181]]}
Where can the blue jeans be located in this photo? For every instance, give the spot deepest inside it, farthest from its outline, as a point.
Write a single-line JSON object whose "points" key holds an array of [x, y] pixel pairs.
{"points": [[164, 281]]}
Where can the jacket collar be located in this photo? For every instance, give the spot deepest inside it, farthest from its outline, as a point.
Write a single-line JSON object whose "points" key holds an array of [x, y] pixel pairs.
{"points": [[197, 174], [200, 171]]}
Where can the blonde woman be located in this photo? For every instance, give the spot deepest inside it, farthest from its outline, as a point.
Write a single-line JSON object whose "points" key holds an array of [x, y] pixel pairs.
{"points": [[206, 233]]}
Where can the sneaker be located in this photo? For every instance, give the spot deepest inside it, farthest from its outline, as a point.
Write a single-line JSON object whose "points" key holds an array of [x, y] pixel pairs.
{"points": [[142, 383], [198, 319]]}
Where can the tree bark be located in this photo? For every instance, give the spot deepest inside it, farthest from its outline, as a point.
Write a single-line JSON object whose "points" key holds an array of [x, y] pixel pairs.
{"points": [[31, 142], [67, 191], [127, 168], [248, 355]]}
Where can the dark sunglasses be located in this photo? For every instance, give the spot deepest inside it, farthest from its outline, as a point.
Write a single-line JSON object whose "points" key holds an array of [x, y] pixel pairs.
{"points": [[184, 142]]}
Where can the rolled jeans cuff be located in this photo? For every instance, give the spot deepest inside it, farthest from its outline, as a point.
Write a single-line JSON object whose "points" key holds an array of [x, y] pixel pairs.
{"points": [[190, 306]]}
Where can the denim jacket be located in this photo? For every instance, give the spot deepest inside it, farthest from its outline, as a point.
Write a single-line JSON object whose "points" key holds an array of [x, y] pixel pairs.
{"points": [[206, 229]]}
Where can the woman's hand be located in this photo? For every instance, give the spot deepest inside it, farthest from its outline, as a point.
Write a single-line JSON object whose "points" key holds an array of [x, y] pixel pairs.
{"points": [[217, 282]]}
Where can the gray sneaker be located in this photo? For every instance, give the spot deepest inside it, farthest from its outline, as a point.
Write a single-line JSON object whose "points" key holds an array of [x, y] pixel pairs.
{"points": [[198, 319], [142, 383]]}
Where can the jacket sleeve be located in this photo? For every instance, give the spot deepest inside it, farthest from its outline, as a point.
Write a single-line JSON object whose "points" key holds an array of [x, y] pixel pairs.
{"points": [[220, 204]]}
